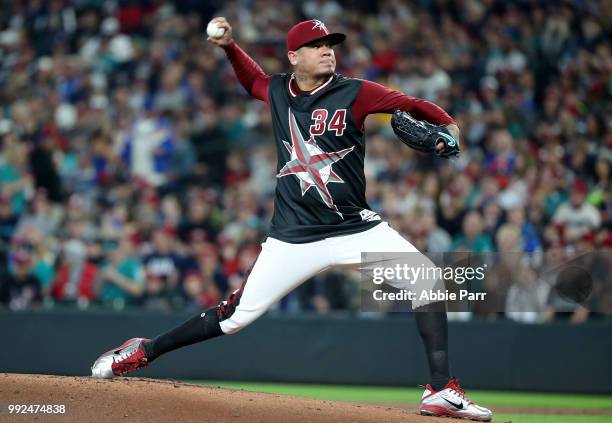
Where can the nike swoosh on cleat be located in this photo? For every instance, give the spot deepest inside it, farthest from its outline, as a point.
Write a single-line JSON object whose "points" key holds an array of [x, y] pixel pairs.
{"points": [[459, 406]]}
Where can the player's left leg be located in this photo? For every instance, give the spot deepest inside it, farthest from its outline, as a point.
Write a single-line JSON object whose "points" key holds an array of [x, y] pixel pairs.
{"points": [[431, 320]]}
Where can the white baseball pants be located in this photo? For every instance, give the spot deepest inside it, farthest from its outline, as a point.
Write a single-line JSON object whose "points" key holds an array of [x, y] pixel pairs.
{"points": [[281, 267]]}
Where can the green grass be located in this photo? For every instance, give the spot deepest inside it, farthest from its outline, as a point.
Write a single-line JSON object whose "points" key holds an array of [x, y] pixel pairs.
{"points": [[528, 399], [395, 395]]}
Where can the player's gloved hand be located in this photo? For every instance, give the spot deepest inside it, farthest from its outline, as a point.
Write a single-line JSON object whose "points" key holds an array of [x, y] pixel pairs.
{"points": [[424, 136]]}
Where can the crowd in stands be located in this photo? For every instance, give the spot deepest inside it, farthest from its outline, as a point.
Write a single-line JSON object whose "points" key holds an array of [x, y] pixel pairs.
{"points": [[136, 171]]}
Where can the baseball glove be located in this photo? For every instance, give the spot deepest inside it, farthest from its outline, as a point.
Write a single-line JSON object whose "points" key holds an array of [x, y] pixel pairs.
{"points": [[423, 136]]}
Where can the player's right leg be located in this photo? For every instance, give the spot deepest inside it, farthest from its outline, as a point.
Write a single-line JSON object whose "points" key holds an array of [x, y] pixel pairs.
{"points": [[279, 268]]}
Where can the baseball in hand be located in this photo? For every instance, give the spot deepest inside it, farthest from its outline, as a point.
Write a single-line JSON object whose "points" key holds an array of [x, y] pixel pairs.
{"points": [[214, 30]]}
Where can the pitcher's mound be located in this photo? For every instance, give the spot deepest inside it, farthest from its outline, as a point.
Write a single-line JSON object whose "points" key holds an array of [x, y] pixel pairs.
{"points": [[89, 400]]}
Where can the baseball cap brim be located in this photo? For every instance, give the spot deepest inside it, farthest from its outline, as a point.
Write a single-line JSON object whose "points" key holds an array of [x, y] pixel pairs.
{"points": [[334, 38]]}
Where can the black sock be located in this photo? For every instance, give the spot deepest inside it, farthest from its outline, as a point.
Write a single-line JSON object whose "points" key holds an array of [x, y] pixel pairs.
{"points": [[199, 328], [433, 327]]}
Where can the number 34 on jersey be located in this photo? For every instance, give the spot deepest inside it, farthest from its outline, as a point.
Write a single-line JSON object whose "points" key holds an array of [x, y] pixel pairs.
{"points": [[336, 124]]}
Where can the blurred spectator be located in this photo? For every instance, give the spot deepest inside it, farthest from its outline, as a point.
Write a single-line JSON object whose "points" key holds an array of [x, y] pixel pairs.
{"points": [[44, 169], [75, 275], [527, 298], [201, 292], [501, 159], [14, 180], [39, 249], [238, 264], [498, 277], [20, 289], [170, 95], [428, 81], [147, 147], [530, 241], [162, 267], [577, 216], [183, 159], [157, 295], [8, 222], [122, 279], [472, 237], [492, 218], [41, 215], [200, 220], [209, 266], [113, 47], [430, 237], [324, 293]]}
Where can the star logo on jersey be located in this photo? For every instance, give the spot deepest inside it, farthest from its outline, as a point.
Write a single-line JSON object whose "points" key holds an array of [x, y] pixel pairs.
{"points": [[311, 165], [318, 24]]}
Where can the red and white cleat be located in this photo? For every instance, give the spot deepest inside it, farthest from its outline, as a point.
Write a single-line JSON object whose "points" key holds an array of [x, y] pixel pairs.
{"points": [[451, 401], [118, 361]]}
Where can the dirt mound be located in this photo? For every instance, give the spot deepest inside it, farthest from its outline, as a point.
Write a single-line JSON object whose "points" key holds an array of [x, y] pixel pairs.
{"points": [[91, 400]]}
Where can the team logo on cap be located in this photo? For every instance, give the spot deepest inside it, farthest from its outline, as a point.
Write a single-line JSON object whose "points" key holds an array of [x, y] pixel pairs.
{"points": [[318, 24]]}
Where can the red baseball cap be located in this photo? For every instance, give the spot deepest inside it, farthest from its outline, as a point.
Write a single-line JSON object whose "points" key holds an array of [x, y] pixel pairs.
{"points": [[579, 186], [308, 31]]}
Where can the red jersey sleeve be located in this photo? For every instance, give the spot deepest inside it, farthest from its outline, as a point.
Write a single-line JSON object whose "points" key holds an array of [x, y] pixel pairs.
{"points": [[249, 73], [375, 98]]}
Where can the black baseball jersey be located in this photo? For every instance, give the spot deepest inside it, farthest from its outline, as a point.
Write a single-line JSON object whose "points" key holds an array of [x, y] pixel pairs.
{"points": [[321, 183]]}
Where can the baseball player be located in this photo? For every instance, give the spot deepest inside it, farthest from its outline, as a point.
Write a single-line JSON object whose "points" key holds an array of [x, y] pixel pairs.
{"points": [[321, 218]]}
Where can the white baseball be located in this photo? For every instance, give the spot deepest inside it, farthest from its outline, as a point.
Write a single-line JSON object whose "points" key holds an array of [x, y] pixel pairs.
{"points": [[214, 30]]}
